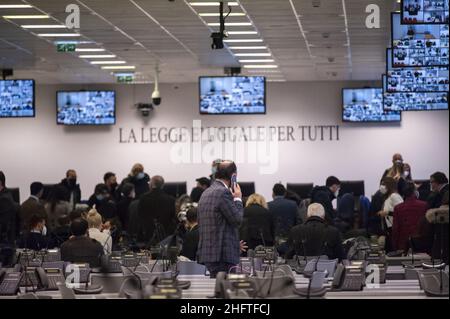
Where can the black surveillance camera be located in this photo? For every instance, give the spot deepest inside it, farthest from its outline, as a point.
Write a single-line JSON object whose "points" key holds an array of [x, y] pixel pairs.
{"points": [[217, 41]]}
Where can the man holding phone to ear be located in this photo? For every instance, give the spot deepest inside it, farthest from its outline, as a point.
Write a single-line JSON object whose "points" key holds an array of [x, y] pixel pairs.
{"points": [[220, 213]]}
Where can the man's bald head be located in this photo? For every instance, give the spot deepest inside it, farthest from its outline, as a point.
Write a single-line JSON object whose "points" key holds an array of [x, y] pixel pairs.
{"points": [[157, 182], [225, 170]]}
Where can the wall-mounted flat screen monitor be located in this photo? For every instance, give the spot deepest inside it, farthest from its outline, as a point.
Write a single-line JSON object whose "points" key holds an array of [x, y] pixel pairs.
{"points": [[418, 45], [413, 101], [17, 98], [233, 95], [366, 105], [86, 108], [420, 79], [424, 11]]}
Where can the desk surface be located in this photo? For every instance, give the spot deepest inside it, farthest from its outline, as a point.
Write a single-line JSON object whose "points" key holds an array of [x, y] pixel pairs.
{"points": [[202, 287]]}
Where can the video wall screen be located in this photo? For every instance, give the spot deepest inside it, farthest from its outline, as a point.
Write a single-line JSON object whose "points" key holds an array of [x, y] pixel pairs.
{"points": [[419, 45], [233, 95], [424, 11], [420, 79], [413, 101], [17, 98], [86, 108], [366, 105]]}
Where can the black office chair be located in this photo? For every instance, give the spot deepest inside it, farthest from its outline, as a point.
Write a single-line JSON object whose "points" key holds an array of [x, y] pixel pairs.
{"points": [[301, 189], [175, 189], [247, 188]]}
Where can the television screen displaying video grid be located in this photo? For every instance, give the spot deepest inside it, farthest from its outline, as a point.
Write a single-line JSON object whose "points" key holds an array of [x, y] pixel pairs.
{"points": [[419, 45], [366, 105], [424, 11], [233, 95], [17, 98], [420, 79], [413, 101], [86, 108]]}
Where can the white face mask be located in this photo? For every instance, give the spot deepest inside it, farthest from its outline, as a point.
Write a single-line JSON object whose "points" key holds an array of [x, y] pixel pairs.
{"points": [[336, 193], [44, 231], [383, 189], [406, 173]]}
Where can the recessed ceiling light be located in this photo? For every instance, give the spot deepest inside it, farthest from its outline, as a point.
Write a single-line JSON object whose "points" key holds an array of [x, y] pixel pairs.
{"points": [[253, 54], [241, 32], [211, 4], [249, 48], [89, 50], [242, 40], [257, 61], [35, 16], [262, 66], [232, 14], [108, 62], [273, 72], [119, 67], [54, 35], [123, 74], [97, 56], [15, 6], [231, 24], [43, 26], [73, 42]]}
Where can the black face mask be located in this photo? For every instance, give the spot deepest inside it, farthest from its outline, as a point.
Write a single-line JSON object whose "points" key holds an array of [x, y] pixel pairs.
{"points": [[72, 182]]}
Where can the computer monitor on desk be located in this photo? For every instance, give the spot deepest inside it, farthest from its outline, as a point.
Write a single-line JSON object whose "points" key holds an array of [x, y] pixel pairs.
{"points": [[356, 188], [175, 189], [301, 189]]}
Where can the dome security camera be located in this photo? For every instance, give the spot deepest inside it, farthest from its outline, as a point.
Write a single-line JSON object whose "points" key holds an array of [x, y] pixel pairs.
{"points": [[156, 95]]}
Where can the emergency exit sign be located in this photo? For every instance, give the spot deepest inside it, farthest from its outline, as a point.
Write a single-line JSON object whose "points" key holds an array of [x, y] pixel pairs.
{"points": [[66, 47]]}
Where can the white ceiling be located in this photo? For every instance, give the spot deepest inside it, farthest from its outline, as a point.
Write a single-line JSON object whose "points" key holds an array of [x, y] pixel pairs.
{"points": [[146, 33]]}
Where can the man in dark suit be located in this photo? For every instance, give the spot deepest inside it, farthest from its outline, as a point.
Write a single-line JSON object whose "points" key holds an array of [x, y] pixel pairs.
{"points": [[80, 248], [73, 191], [284, 212], [324, 195], [8, 212], [191, 238], [156, 208], [315, 237], [32, 206], [220, 213], [439, 186]]}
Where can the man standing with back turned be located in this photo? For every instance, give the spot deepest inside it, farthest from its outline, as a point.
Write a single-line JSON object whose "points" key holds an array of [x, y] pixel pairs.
{"points": [[220, 213]]}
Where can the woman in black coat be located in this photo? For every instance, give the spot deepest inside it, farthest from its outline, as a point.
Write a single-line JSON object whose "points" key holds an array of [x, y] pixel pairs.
{"points": [[258, 225]]}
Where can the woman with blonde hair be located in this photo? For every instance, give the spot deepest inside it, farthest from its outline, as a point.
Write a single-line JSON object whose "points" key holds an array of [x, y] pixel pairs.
{"points": [[258, 225], [139, 179], [99, 231]]}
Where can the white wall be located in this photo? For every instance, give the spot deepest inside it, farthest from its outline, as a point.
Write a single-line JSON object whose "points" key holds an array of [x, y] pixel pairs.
{"points": [[38, 149]]}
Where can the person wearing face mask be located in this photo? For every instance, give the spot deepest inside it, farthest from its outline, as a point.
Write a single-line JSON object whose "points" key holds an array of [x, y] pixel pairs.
{"points": [[325, 195], [35, 238], [406, 217], [73, 191], [57, 206], [102, 202], [123, 206], [139, 179], [215, 164], [389, 188], [397, 169], [110, 181]]}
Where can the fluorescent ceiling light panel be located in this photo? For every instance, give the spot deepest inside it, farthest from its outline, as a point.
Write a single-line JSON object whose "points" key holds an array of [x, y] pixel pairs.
{"points": [[231, 24], [34, 16], [232, 14], [119, 67], [212, 4], [97, 56], [55, 35], [243, 40], [262, 66], [249, 48], [242, 32], [43, 26], [89, 50], [257, 61], [252, 54], [108, 62], [15, 6]]}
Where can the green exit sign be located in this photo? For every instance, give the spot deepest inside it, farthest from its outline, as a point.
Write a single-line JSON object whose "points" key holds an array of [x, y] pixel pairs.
{"points": [[125, 79], [66, 47]]}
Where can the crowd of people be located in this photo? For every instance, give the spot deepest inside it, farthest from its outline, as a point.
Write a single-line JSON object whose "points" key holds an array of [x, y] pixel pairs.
{"points": [[215, 225]]}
